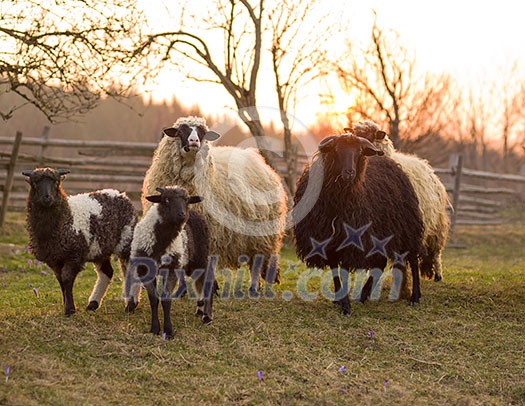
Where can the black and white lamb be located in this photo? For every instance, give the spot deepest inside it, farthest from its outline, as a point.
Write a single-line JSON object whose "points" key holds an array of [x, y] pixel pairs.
{"points": [[355, 210], [170, 237], [65, 232]]}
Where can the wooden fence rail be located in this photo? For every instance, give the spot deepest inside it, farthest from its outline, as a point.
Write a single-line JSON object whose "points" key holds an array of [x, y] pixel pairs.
{"points": [[477, 197]]}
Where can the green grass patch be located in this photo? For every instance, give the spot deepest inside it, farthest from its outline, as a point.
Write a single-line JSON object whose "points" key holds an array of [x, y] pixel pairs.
{"points": [[464, 344]]}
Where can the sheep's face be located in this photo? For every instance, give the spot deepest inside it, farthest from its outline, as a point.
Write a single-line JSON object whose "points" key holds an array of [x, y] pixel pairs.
{"points": [[344, 156], [173, 204], [191, 137], [45, 185]]}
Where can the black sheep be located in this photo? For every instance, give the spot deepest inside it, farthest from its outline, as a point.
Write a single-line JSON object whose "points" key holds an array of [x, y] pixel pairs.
{"points": [[355, 210], [174, 238], [66, 232]]}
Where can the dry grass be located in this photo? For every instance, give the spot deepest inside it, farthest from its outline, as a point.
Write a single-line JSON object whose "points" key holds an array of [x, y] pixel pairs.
{"points": [[463, 345]]}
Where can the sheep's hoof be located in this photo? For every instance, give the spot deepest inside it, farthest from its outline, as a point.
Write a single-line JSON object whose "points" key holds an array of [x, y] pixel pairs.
{"points": [[345, 309], [206, 319], [155, 330], [92, 306], [69, 311], [130, 307], [269, 293], [253, 294], [414, 302], [238, 294], [199, 312]]}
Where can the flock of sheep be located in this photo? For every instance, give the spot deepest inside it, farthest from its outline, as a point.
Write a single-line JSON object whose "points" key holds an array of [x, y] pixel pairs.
{"points": [[359, 205]]}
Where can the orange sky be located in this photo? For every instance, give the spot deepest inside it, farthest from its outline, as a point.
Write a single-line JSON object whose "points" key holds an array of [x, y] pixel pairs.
{"points": [[473, 40]]}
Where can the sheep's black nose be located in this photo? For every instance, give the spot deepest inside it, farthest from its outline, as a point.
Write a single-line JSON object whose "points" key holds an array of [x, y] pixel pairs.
{"points": [[47, 200]]}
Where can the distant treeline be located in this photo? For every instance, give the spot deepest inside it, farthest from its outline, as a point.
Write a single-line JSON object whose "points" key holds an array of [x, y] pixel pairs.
{"points": [[133, 119], [138, 120]]}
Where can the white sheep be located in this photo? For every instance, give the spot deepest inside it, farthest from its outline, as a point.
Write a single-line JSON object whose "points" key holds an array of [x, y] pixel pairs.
{"points": [[244, 200], [431, 193]]}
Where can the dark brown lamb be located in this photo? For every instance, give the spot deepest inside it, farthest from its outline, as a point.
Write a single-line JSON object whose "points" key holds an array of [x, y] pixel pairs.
{"points": [[355, 209]]}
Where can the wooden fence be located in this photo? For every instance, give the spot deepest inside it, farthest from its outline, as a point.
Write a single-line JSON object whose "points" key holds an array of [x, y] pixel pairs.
{"points": [[477, 197]]}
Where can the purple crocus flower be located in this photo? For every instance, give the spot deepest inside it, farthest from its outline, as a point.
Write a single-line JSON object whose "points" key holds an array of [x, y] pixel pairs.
{"points": [[37, 262], [260, 376], [29, 262], [43, 273], [163, 336], [385, 383], [342, 368], [35, 292], [371, 334], [7, 371]]}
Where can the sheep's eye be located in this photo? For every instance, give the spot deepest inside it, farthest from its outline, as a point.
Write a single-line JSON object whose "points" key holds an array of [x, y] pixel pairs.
{"points": [[166, 200]]}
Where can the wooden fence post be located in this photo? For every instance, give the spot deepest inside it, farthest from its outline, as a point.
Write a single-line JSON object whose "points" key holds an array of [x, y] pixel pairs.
{"points": [[45, 137], [9, 179], [456, 173]]}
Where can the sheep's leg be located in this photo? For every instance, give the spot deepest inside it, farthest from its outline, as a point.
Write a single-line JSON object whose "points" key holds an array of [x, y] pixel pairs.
{"points": [[341, 290], [271, 275], [131, 293], [256, 269], [426, 266], [69, 273], [416, 292], [166, 303], [405, 288], [367, 289], [151, 287], [104, 275], [438, 267], [141, 272], [205, 286]]}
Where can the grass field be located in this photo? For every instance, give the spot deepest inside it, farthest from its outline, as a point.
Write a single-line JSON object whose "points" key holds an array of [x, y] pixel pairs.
{"points": [[464, 344]]}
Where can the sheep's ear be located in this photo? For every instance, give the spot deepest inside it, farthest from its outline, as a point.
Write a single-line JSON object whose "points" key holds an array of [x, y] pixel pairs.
{"points": [[372, 151], [195, 199], [170, 132], [368, 148], [380, 135], [211, 136], [27, 173], [153, 199], [63, 172], [326, 143]]}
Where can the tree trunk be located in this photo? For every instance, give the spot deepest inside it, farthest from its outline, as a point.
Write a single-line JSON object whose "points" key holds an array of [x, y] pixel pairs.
{"points": [[250, 117], [394, 134]]}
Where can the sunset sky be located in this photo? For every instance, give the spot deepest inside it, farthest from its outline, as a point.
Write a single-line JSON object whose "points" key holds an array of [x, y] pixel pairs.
{"points": [[475, 41]]}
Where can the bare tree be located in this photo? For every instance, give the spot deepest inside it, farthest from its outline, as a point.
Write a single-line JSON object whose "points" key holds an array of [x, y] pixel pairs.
{"points": [[235, 67], [62, 55], [294, 67], [512, 97], [386, 87], [245, 27]]}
